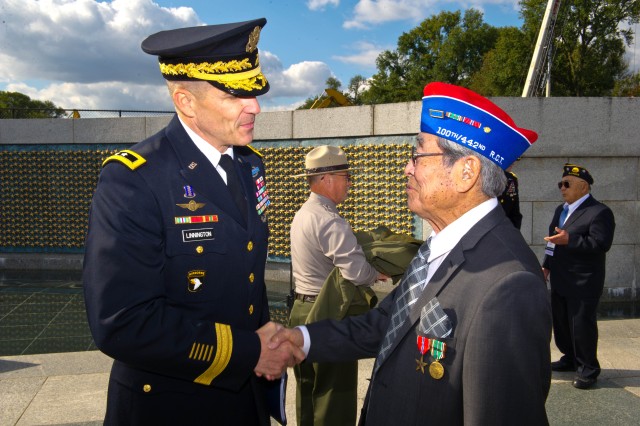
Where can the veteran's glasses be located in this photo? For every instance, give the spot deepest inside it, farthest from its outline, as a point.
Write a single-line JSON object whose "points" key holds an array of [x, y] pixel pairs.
{"points": [[564, 183], [415, 155]]}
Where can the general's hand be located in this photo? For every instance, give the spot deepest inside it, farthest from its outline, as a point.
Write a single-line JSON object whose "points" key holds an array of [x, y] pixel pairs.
{"points": [[274, 361], [292, 335], [561, 238]]}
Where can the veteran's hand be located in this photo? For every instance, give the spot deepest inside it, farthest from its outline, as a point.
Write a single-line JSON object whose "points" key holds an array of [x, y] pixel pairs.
{"points": [[274, 361], [292, 335], [561, 238]]}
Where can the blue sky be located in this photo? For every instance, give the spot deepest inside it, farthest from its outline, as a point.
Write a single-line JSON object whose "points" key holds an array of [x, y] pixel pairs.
{"points": [[85, 54]]}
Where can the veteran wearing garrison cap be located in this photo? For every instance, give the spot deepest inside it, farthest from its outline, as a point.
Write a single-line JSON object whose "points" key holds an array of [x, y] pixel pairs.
{"points": [[464, 338], [580, 235], [322, 240], [177, 243]]}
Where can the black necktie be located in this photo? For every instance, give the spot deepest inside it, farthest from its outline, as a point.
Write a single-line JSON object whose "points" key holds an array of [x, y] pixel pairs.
{"points": [[233, 183]]}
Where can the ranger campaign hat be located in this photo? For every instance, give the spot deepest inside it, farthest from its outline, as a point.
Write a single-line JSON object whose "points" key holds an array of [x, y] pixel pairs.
{"points": [[473, 121], [224, 55], [324, 159], [577, 171]]}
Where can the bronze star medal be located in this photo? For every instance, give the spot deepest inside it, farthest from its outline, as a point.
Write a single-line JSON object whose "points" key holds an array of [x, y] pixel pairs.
{"points": [[421, 364], [423, 347]]}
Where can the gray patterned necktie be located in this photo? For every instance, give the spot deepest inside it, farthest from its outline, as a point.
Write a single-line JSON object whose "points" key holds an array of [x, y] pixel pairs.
{"points": [[410, 289]]}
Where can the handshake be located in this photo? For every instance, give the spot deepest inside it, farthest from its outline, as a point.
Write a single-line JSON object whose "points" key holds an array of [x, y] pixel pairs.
{"points": [[280, 347]]}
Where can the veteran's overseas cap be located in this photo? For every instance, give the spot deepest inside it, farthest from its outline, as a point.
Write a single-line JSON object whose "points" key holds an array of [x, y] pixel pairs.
{"points": [[473, 121], [577, 171], [224, 55]]}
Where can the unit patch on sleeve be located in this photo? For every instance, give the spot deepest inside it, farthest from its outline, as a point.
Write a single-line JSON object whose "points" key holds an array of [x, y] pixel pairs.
{"points": [[131, 159]]}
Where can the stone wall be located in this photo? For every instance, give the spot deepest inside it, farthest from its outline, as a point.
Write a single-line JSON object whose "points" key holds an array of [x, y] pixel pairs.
{"points": [[600, 134]]}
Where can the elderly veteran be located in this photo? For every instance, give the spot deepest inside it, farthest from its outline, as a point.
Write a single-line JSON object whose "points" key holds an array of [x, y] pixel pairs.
{"points": [[322, 240], [580, 235], [177, 243], [464, 338]]}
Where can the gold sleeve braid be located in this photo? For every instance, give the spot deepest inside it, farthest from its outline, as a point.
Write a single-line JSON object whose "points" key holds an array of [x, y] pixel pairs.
{"points": [[224, 349]]}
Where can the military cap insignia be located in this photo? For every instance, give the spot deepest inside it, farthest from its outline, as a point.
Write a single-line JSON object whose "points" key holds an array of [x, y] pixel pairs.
{"points": [[191, 205], [254, 37], [131, 159]]}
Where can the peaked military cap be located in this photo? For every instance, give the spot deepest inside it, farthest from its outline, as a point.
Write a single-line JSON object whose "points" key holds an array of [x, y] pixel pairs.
{"points": [[224, 55], [577, 171]]}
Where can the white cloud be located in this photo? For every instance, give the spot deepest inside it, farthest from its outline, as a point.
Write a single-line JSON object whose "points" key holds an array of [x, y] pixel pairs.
{"points": [[376, 12], [105, 95], [321, 4], [379, 11], [85, 54], [366, 54], [82, 41], [302, 79]]}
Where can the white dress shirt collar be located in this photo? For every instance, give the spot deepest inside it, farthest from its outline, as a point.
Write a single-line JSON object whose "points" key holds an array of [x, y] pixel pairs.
{"points": [[573, 206], [444, 241], [212, 154]]}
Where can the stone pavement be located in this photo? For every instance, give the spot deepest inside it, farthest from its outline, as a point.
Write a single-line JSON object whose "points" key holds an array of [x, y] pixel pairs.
{"points": [[70, 388]]}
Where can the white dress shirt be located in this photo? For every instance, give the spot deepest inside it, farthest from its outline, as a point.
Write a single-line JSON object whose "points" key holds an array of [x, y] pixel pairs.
{"points": [[212, 154]]}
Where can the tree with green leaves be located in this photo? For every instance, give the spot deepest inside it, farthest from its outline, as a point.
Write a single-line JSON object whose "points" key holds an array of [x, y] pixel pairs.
{"points": [[588, 44], [628, 86], [504, 68], [447, 47], [18, 105], [357, 85]]}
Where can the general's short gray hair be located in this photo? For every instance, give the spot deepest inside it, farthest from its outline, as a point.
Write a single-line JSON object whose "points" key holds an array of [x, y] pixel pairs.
{"points": [[197, 88], [493, 179]]}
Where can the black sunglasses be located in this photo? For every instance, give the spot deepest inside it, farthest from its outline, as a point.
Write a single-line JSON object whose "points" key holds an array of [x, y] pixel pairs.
{"points": [[564, 183], [415, 155]]}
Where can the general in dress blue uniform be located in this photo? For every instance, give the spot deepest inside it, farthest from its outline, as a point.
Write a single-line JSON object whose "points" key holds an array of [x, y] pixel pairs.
{"points": [[174, 264]]}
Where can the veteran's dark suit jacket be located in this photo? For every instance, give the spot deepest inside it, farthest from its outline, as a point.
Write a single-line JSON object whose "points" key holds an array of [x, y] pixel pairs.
{"points": [[578, 268], [174, 285], [497, 361]]}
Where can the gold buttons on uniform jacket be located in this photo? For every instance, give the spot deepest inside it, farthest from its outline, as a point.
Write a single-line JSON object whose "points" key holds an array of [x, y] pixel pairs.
{"points": [[250, 309], [199, 249], [250, 246], [146, 388], [251, 277]]}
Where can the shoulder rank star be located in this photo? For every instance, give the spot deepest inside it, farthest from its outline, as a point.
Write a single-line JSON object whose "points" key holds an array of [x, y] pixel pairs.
{"points": [[191, 205]]}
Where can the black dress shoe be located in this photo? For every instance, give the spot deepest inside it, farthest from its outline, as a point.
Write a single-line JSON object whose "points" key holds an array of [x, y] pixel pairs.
{"points": [[562, 366], [583, 382]]}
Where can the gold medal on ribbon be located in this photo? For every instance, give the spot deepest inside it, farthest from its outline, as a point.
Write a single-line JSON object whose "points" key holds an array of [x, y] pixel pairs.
{"points": [[436, 370], [438, 349]]}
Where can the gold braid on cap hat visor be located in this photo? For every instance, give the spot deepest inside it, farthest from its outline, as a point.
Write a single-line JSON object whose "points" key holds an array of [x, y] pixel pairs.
{"points": [[229, 73]]}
